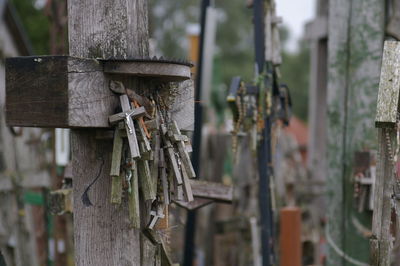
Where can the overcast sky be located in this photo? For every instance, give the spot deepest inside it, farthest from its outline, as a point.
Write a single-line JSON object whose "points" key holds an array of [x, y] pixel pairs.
{"points": [[295, 14]]}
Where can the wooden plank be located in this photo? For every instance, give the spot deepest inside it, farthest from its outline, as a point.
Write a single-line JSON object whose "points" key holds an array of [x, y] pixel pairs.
{"points": [[193, 205], [389, 86], [145, 180], [59, 91], [134, 211], [187, 188], [187, 163], [381, 246], [72, 92], [117, 153], [212, 190], [156, 70], [103, 233]]}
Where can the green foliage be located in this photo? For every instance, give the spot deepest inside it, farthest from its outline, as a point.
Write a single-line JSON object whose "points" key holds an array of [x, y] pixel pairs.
{"points": [[35, 23]]}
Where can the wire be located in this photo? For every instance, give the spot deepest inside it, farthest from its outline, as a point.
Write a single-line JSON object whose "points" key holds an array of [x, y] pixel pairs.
{"points": [[85, 196]]}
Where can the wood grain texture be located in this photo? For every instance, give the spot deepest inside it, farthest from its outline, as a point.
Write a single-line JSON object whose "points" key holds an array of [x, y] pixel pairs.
{"points": [[72, 92], [381, 246], [156, 70], [389, 86], [59, 91], [182, 106], [103, 233]]}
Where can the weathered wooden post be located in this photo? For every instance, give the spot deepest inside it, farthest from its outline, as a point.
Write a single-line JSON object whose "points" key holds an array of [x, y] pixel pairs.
{"points": [[386, 121], [356, 33], [98, 28]]}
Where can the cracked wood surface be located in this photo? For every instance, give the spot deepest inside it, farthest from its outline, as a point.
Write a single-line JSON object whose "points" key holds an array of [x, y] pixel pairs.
{"points": [[102, 232]]}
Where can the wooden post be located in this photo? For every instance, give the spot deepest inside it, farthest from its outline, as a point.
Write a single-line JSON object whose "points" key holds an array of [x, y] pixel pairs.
{"points": [[102, 232], [356, 32], [386, 121], [317, 34], [290, 236]]}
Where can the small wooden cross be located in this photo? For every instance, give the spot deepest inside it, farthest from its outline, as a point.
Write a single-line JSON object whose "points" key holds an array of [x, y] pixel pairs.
{"points": [[126, 115], [180, 140], [156, 215]]}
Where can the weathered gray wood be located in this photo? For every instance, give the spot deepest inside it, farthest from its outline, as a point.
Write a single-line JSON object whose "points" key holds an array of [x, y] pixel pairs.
{"points": [[389, 86], [187, 163], [116, 189], [158, 70], [69, 92], [134, 211], [182, 106], [103, 233], [193, 205], [164, 180], [137, 112], [187, 188], [116, 154], [212, 190], [381, 246], [130, 128], [145, 180], [171, 155], [393, 25], [59, 91]]}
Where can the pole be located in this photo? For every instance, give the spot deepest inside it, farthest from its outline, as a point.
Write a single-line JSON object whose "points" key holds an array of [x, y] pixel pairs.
{"points": [[190, 230], [264, 148], [102, 232]]}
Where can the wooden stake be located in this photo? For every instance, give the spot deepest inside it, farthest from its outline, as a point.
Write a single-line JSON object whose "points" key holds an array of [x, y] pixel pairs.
{"points": [[102, 232]]}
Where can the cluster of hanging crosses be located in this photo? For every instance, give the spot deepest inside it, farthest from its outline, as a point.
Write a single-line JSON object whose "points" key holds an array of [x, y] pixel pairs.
{"points": [[248, 103], [150, 153]]}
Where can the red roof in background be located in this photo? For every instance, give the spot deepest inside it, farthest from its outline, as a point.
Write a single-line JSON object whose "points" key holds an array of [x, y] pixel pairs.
{"points": [[299, 130]]}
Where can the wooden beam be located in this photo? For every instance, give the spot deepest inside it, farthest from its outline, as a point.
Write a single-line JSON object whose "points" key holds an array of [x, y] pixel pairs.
{"points": [[58, 91], [103, 233], [212, 190], [72, 92], [162, 71], [388, 96], [381, 240]]}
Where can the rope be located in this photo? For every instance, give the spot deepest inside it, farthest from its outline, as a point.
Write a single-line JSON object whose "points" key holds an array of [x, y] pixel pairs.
{"points": [[340, 252]]}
